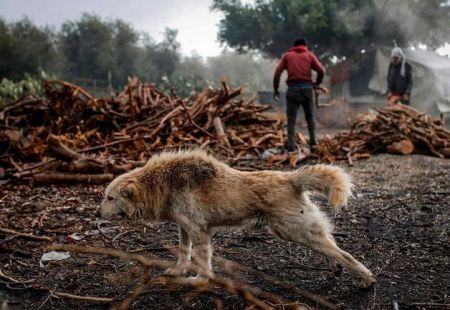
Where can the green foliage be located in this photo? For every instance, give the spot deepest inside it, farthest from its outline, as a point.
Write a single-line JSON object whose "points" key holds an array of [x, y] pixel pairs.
{"points": [[336, 28], [92, 50], [12, 91], [88, 48]]}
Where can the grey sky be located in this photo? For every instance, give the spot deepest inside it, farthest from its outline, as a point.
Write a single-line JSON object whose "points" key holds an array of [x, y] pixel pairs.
{"points": [[197, 25]]}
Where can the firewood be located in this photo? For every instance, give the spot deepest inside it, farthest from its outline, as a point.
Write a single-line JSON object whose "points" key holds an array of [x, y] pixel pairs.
{"points": [[66, 178], [60, 151], [222, 137], [404, 147], [142, 120]]}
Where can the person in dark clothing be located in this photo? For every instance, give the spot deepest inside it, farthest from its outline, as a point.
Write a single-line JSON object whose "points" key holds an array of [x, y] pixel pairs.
{"points": [[299, 63], [399, 78]]}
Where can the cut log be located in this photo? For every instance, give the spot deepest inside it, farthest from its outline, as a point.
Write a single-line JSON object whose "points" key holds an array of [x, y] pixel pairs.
{"points": [[58, 150], [404, 147], [66, 178], [221, 136], [86, 165], [446, 152]]}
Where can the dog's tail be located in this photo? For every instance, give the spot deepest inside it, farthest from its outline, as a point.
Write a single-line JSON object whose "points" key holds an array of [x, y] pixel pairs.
{"points": [[331, 181]]}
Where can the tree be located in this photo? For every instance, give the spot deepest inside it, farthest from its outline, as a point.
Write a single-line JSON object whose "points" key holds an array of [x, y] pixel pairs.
{"points": [[336, 28], [166, 55], [126, 51], [25, 48], [88, 48]]}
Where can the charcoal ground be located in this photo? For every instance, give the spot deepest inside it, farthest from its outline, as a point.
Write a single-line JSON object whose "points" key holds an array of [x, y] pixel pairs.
{"points": [[397, 225]]}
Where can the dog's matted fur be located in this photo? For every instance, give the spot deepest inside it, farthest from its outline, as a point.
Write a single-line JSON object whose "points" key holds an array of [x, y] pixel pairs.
{"points": [[198, 192]]}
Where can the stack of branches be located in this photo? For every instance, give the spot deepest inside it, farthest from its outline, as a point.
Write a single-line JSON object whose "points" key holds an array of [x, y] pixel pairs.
{"points": [[70, 136], [396, 129]]}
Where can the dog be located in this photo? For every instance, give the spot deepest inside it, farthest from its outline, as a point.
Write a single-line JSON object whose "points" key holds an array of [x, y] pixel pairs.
{"points": [[198, 192]]}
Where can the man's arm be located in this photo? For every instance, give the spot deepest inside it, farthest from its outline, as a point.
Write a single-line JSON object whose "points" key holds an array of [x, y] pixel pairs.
{"points": [[319, 68], [276, 77]]}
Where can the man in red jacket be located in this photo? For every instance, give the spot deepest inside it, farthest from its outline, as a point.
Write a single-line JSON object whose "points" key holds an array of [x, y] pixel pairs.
{"points": [[299, 61]]}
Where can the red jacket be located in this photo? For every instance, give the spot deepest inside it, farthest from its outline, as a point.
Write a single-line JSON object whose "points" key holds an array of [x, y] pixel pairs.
{"points": [[298, 61]]}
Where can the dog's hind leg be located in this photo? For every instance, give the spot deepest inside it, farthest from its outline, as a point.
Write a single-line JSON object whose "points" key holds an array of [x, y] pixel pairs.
{"points": [[315, 235], [325, 245], [184, 255], [336, 268]]}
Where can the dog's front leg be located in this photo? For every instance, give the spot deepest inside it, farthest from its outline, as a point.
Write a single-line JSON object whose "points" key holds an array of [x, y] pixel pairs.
{"points": [[184, 255], [201, 240]]}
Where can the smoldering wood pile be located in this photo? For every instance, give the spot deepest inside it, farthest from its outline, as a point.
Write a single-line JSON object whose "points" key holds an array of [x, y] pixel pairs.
{"points": [[69, 136]]}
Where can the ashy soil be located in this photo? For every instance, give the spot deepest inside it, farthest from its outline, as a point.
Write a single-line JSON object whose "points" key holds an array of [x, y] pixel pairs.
{"points": [[397, 225]]}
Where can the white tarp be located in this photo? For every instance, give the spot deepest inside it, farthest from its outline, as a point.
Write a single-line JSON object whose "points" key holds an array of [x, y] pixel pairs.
{"points": [[431, 79]]}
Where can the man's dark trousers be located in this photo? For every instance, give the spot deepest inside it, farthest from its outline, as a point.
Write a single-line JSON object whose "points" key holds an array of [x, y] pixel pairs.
{"points": [[296, 97]]}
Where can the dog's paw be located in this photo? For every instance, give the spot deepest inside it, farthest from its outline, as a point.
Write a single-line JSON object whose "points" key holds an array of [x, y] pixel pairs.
{"points": [[176, 271], [368, 282], [337, 270]]}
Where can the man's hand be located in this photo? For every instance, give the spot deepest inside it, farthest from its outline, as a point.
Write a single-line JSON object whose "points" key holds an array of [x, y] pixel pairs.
{"points": [[405, 97], [389, 95], [276, 95]]}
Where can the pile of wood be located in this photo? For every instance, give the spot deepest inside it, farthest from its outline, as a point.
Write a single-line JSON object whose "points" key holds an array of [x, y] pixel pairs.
{"points": [[396, 129], [69, 136]]}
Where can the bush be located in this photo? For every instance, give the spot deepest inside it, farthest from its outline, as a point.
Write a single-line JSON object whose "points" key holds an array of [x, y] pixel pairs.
{"points": [[11, 91]]}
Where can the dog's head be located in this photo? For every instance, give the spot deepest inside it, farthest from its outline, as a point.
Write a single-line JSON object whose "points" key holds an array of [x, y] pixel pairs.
{"points": [[121, 198]]}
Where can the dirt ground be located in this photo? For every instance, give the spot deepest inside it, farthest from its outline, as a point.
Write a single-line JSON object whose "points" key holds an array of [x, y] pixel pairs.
{"points": [[397, 225]]}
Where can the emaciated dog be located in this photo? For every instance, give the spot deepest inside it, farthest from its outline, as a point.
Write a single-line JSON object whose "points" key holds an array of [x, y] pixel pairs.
{"points": [[198, 192]]}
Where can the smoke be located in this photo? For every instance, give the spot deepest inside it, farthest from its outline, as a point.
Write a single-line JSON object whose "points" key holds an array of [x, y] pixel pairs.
{"points": [[400, 15], [412, 21], [354, 21]]}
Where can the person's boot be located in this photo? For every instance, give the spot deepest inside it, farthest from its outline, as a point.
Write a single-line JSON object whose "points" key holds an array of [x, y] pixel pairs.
{"points": [[289, 147]]}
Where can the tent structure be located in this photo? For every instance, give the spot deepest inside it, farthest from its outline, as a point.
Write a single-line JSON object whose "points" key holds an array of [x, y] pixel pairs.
{"points": [[431, 79]]}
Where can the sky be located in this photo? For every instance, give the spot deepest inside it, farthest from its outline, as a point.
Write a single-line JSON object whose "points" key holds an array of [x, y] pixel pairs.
{"points": [[196, 23]]}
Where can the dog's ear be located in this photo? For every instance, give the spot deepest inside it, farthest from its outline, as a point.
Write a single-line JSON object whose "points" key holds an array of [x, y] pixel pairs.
{"points": [[128, 189]]}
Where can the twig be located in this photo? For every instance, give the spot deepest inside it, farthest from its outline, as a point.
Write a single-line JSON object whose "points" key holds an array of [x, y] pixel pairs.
{"points": [[429, 304], [116, 142], [193, 122], [24, 235], [85, 298], [127, 302], [319, 299], [4, 276], [47, 298], [59, 294], [102, 232], [121, 234], [27, 171], [232, 286]]}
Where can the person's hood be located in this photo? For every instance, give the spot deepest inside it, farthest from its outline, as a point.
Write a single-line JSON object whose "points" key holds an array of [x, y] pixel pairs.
{"points": [[397, 52], [298, 49]]}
